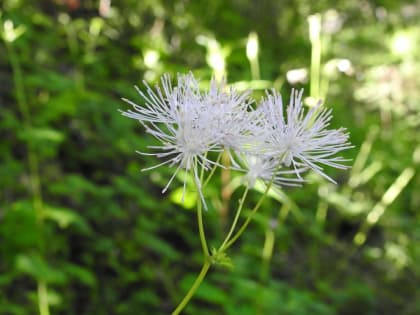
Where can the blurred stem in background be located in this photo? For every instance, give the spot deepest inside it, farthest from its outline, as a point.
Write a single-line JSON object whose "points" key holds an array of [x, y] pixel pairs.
{"points": [[252, 50], [216, 59], [89, 48], [315, 87], [315, 38], [226, 190], [10, 34], [361, 173], [379, 209], [215, 56], [288, 206]]}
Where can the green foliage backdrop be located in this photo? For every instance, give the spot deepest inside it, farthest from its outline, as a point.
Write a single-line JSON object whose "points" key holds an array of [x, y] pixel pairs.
{"points": [[83, 231]]}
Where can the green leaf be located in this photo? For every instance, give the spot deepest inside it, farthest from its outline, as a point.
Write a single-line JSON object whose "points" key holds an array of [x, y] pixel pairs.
{"points": [[187, 200], [158, 245], [18, 227], [64, 217], [41, 134], [81, 274], [220, 258], [209, 292], [37, 267]]}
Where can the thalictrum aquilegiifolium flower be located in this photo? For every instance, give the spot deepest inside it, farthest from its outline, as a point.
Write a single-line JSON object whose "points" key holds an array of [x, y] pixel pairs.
{"points": [[269, 142]]}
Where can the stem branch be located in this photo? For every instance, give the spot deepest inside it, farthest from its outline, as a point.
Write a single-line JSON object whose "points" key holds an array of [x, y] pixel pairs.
{"points": [[235, 220], [248, 220]]}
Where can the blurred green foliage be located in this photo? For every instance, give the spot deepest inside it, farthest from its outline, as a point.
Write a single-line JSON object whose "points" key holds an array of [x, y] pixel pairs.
{"points": [[83, 231]]}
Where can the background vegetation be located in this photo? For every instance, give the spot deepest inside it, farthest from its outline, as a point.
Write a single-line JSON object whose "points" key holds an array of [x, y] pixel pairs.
{"points": [[83, 231]]}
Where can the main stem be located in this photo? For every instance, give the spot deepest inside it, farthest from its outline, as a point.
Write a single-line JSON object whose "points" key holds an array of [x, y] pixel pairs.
{"points": [[193, 288], [198, 181], [203, 241], [201, 229]]}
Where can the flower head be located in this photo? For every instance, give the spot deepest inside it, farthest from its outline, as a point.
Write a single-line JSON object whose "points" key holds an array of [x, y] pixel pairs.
{"points": [[189, 123], [268, 143], [179, 118], [268, 169], [231, 116], [298, 139]]}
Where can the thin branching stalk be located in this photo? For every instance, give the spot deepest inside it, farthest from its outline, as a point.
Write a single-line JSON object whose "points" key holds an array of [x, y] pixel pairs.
{"points": [[250, 216], [235, 220]]}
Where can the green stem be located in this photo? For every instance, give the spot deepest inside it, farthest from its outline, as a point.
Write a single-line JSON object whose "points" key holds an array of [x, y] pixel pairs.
{"points": [[235, 220], [212, 170], [255, 69], [201, 229], [315, 38], [200, 211], [207, 262], [18, 82], [24, 110], [43, 298], [33, 163], [248, 220], [193, 288]]}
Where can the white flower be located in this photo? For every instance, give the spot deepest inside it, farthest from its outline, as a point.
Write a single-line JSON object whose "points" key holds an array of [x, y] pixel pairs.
{"points": [[269, 169], [189, 124], [180, 118], [300, 139], [231, 116]]}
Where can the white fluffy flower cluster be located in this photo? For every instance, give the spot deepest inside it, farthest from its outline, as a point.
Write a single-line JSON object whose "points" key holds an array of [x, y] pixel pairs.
{"points": [[270, 143]]}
